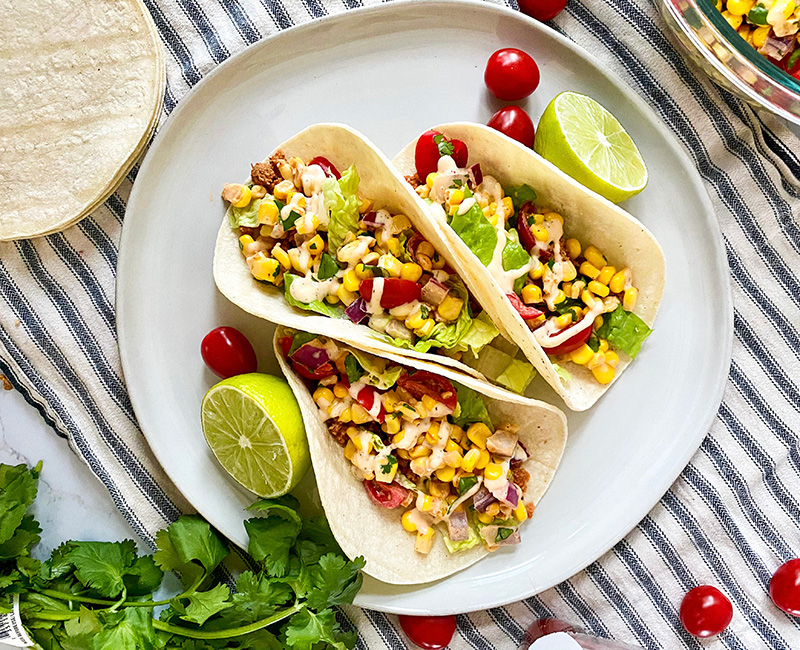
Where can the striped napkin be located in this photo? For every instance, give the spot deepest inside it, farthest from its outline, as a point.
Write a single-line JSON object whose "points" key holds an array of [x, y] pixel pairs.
{"points": [[729, 520]]}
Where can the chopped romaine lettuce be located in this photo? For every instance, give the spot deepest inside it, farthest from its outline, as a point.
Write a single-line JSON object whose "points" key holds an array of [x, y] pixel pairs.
{"points": [[515, 257], [353, 368], [341, 201], [375, 371], [246, 216], [624, 330], [520, 195], [563, 374], [477, 232], [517, 375], [479, 335], [503, 368], [317, 305], [470, 408]]}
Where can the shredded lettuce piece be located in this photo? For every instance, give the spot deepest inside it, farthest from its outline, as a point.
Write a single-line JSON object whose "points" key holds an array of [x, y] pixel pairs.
{"points": [[479, 335], [520, 194], [503, 368], [563, 374], [517, 376], [341, 201], [470, 408], [317, 306], [477, 232], [515, 257], [376, 372], [624, 330], [246, 216]]}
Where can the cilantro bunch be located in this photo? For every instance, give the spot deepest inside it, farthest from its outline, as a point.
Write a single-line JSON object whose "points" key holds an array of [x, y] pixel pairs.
{"points": [[99, 595]]}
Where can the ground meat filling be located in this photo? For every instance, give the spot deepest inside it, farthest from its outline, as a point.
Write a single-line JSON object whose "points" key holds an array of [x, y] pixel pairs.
{"points": [[338, 431], [521, 477], [266, 173], [413, 181]]}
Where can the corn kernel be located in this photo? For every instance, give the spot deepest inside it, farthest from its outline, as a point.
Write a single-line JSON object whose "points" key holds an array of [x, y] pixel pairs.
{"points": [[362, 272], [340, 390], [440, 489], [265, 268], [426, 504], [603, 373], [617, 282], [351, 280], [450, 308], [364, 205], [390, 264], [419, 465], [451, 445], [540, 233], [568, 271], [323, 396], [598, 289], [360, 414], [629, 298], [493, 509], [411, 271], [432, 434], [597, 323], [358, 441], [733, 21], [594, 257], [394, 247], [415, 320], [282, 256], [483, 459], [245, 240], [282, 189], [347, 297], [398, 438], [349, 450], [520, 512], [531, 293], [419, 451], [409, 525], [603, 345], [402, 453], [426, 329], [493, 471], [478, 433], [243, 199], [760, 35], [536, 270], [456, 197], [582, 355], [453, 458], [332, 299], [588, 269], [445, 474], [588, 298], [612, 358], [560, 297], [306, 226], [345, 416], [430, 178], [573, 248], [391, 423], [429, 403], [470, 459], [485, 518], [390, 401], [565, 320]]}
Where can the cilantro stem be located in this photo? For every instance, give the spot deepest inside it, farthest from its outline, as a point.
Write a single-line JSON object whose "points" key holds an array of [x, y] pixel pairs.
{"points": [[44, 616], [230, 632]]}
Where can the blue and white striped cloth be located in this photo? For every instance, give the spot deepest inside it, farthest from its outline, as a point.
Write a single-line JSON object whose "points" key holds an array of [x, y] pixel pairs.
{"points": [[732, 516]]}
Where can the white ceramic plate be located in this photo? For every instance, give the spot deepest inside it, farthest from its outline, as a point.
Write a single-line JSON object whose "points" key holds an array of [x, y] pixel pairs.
{"points": [[392, 71]]}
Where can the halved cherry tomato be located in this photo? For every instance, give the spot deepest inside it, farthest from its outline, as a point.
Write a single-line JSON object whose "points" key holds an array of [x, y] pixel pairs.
{"points": [[286, 345], [526, 237], [784, 587], [327, 166], [429, 632], [542, 9], [423, 382], [705, 611], [511, 74], [366, 397], [396, 291], [515, 123], [526, 311], [460, 153], [227, 352], [386, 495], [431, 146], [572, 343]]}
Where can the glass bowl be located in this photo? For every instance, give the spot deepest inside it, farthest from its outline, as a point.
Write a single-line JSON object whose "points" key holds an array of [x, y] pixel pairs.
{"points": [[729, 60]]}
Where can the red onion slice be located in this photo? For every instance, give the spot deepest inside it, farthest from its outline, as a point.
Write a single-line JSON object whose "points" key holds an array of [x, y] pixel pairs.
{"points": [[311, 356], [357, 311]]}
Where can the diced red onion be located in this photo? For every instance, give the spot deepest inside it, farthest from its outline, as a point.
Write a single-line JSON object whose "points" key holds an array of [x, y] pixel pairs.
{"points": [[777, 48], [357, 311], [370, 220], [457, 526], [434, 292], [482, 499], [413, 243], [311, 356], [475, 174], [511, 496]]}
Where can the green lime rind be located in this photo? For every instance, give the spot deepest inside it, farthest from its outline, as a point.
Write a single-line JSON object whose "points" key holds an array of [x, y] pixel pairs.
{"points": [[588, 143], [253, 425]]}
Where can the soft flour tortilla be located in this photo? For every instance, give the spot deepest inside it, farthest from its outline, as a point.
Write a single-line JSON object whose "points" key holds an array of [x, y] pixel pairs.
{"points": [[363, 528], [587, 216], [81, 86], [343, 146]]}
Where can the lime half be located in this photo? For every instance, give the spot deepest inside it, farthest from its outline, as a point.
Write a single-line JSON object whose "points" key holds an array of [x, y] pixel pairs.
{"points": [[254, 427], [585, 141]]}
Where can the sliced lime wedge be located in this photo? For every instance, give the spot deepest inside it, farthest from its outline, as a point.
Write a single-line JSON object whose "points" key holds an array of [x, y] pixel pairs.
{"points": [[253, 425], [585, 141]]}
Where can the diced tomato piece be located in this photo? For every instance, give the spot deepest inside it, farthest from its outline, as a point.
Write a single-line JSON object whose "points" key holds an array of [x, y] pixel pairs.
{"points": [[366, 397], [327, 166], [526, 311], [396, 291], [460, 153], [386, 495], [572, 343], [526, 237], [423, 382]]}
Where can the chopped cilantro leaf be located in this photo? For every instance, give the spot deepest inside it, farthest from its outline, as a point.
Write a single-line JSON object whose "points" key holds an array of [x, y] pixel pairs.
{"points": [[353, 368], [327, 267], [391, 461], [503, 533], [444, 146]]}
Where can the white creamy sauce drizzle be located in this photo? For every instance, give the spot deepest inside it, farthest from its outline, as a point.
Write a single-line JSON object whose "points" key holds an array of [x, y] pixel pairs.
{"points": [[544, 334], [421, 520], [307, 289], [466, 205], [504, 278], [492, 187], [375, 409], [406, 309], [552, 277], [374, 304]]}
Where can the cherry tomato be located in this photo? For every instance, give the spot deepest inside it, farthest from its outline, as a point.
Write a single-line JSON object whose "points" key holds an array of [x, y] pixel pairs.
{"points": [[366, 397], [386, 495], [396, 291], [426, 154], [705, 611], [423, 382], [227, 352], [511, 74], [327, 166], [526, 237], [784, 588], [542, 9], [515, 123], [429, 632], [460, 153], [572, 343], [526, 311]]}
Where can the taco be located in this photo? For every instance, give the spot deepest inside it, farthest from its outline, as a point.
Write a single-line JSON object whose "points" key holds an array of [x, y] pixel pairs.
{"points": [[326, 237], [572, 279], [421, 472]]}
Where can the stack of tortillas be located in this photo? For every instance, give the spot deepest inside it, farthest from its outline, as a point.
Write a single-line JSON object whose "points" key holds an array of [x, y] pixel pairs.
{"points": [[81, 88]]}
